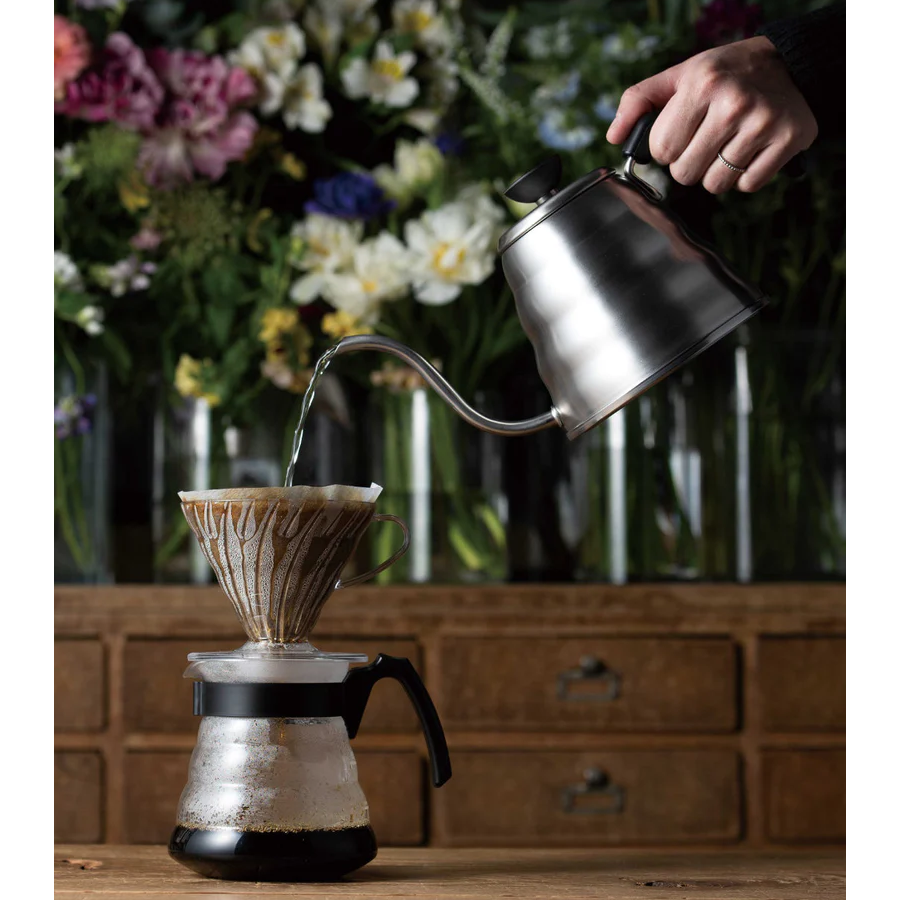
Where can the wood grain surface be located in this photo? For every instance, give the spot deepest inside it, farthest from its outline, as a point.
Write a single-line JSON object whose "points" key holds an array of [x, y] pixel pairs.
{"points": [[132, 873]]}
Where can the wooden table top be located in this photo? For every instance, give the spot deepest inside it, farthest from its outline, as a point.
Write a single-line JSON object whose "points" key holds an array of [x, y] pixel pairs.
{"points": [[101, 872]]}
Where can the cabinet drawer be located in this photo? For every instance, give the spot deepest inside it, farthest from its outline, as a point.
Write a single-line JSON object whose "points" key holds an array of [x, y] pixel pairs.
{"points": [[803, 683], [79, 685], [805, 795], [542, 798], [158, 698], [78, 797], [548, 684], [392, 783]]}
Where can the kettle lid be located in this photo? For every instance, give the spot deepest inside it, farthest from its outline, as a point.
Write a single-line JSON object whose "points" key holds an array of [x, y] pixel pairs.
{"points": [[539, 186]]}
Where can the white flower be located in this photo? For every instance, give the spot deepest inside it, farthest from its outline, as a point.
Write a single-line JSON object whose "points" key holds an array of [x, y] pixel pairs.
{"points": [[274, 51], [476, 199], [616, 48], [128, 274], [416, 165], [452, 246], [327, 28], [90, 318], [377, 273], [424, 120], [66, 164], [384, 79], [65, 273], [327, 245], [303, 105], [544, 41], [423, 20]]}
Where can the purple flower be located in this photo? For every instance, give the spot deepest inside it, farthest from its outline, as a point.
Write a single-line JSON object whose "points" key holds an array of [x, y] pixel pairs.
{"points": [[122, 89], [724, 21], [449, 143], [349, 195], [74, 415]]}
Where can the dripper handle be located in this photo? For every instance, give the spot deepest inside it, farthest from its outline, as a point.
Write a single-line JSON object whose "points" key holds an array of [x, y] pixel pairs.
{"points": [[359, 579], [358, 686]]}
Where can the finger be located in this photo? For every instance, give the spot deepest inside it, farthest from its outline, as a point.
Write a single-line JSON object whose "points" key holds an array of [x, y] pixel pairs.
{"points": [[740, 151], [675, 127], [652, 93], [766, 166], [699, 154]]}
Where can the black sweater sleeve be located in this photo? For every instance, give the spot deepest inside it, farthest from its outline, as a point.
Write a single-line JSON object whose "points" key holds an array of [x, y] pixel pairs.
{"points": [[813, 47]]}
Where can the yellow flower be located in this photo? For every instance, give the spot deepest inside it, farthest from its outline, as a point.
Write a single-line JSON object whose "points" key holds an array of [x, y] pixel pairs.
{"points": [[253, 229], [133, 192], [340, 324], [277, 321], [290, 165], [189, 379]]}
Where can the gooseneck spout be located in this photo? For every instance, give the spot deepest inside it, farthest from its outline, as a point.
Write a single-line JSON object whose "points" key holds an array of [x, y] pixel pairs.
{"points": [[441, 386]]}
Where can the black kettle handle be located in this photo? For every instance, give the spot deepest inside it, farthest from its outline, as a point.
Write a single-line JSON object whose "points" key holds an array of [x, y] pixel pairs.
{"points": [[637, 147], [358, 685]]}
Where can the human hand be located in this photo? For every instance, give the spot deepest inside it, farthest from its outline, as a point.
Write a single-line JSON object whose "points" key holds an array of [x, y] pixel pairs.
{"points": [[737, 100]]}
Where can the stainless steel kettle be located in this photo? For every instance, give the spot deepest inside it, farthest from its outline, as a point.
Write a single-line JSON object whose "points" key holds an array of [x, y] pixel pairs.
{"points": [[611, 289]]}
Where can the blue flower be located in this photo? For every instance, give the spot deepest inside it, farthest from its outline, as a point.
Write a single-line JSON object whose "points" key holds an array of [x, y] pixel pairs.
{"points": [[449, 143], [349, 195], [606, 107], [557, 131], [73, 415]]}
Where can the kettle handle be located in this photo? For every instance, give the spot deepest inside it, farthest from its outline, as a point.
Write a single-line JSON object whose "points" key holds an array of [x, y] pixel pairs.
{"points": [[636, 149], [637, 145], [358, 686]]}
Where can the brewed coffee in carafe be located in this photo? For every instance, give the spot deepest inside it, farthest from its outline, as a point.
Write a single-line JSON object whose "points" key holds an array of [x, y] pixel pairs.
{"points": [[272, 792]]}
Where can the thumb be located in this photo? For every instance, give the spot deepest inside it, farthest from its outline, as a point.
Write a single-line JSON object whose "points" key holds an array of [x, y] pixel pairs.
{"points": [[643, 97]]}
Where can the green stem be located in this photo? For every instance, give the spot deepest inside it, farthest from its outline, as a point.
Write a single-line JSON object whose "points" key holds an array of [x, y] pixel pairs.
{"points": [[62, 507]]}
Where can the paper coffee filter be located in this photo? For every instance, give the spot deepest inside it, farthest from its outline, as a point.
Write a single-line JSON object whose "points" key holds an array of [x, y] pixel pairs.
{"points": [[297, 493]]}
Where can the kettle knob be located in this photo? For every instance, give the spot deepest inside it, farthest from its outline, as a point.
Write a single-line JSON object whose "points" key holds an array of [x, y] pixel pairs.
{"points": [[538, 184]]}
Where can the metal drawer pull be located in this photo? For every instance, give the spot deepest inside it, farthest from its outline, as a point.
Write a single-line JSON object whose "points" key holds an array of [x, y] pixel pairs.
{"points": [[606, 682], [606, 798]]}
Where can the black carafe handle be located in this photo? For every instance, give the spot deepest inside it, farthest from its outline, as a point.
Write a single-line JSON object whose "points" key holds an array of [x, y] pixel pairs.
{"points": [[358, 685]]}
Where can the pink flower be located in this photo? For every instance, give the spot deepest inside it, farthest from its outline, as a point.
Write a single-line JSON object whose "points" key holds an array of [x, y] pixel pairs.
{"points": [[147, 238], [200, 129], [71, 53], [123, 89]]}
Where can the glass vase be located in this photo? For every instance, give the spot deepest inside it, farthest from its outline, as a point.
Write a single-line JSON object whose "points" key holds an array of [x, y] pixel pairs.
{"points": [[82, 461], [796, 448], [444, 478]]}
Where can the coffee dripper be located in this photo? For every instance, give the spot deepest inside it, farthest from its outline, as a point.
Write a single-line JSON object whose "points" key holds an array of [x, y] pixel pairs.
{"points": [[612, 290], [272, 791]]}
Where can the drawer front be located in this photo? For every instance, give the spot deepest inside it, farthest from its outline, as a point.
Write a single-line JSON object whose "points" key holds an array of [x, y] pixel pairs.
{"points": [[79, 685], [392, 783], [803, 683], [78, 797], [639, 684], [805, 795], [543, 798], [158, 698]]}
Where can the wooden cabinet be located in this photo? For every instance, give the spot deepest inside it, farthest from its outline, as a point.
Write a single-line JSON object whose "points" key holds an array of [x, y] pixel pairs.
{"points": [[592, 715]]}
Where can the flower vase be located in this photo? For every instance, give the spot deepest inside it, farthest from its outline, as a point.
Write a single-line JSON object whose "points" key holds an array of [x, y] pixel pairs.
{"points": [[444, 479], [797, 457], [81, 474]]}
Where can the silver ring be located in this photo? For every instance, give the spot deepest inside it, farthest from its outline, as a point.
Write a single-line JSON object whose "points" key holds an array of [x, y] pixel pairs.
{"points": [[731, 166]]}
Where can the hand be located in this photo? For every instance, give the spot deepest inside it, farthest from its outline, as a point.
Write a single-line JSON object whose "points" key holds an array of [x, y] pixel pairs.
{"points": [[737, 100]]}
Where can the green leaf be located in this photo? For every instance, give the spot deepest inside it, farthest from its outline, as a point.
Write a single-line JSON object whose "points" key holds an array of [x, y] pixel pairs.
{"points": [[219, 319], [118, 353]]}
